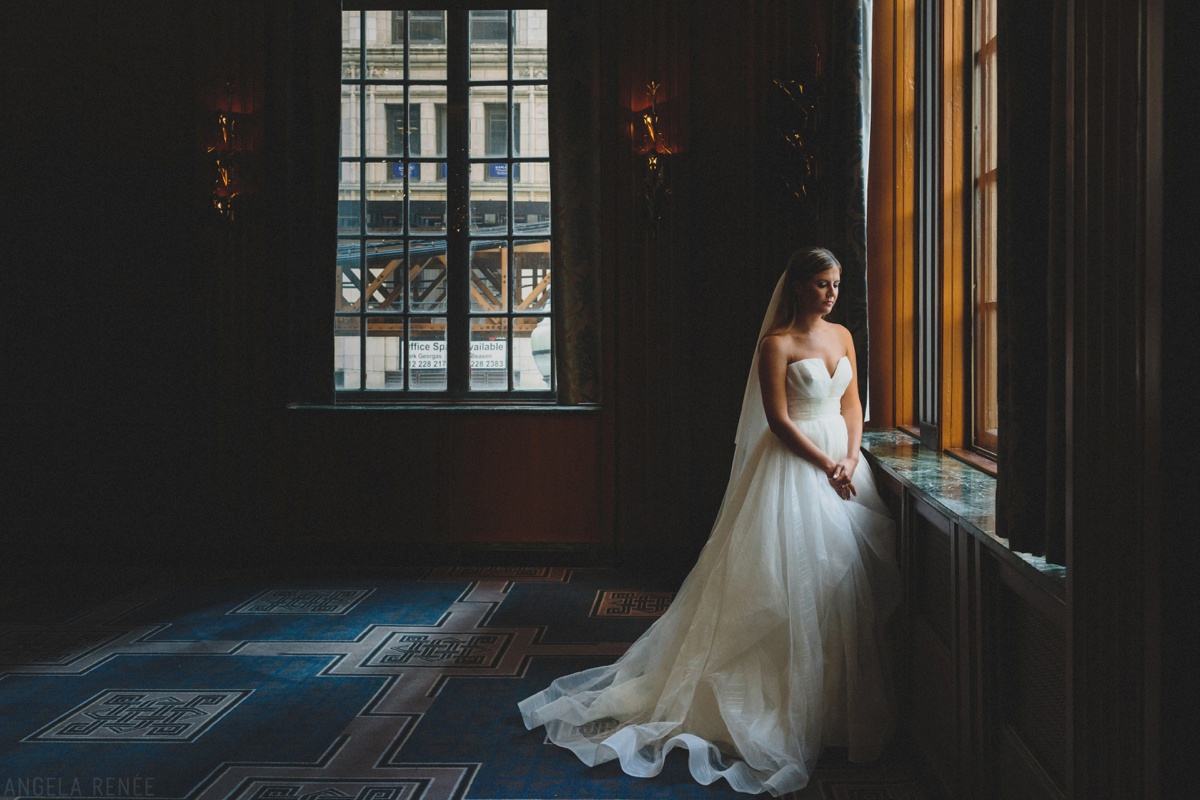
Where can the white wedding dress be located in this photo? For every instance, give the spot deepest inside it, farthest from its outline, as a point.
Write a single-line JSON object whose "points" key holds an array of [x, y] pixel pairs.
{"points": [[771, 648]]}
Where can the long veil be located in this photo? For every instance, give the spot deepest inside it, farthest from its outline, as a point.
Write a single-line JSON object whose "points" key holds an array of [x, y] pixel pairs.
{"points": [[752, 423]]}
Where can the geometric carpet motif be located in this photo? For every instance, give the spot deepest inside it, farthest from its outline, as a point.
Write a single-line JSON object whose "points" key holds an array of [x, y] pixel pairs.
{"points": [[375, 688], [439, 651], [631, 604], [140, 716], [304, 601]]}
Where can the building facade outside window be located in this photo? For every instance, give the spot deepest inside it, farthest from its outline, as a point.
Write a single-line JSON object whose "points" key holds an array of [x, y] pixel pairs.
{"points": [[443, 261]]}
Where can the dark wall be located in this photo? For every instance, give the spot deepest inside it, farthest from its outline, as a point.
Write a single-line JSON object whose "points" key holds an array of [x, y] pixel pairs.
{"points": [[104, 408], [152, 353], [1175, 614]]}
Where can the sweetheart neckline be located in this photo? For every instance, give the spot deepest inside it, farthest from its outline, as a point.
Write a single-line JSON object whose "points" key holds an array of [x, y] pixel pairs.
{"points": [[832, 373]]}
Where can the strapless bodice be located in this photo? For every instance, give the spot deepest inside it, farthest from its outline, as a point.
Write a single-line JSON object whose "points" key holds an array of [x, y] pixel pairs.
{"points": [[812, 392]]}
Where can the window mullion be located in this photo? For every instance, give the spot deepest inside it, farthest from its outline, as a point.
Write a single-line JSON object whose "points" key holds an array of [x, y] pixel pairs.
{"points": [[458, 347], [362, 200]]}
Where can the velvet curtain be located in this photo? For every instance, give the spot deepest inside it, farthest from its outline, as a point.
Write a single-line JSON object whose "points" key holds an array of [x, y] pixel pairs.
{"points": [[850, 55], [575, 198], [1031, 291]]}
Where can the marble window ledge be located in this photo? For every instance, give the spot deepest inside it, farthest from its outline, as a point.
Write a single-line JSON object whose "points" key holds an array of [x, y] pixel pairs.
{"points": [[961, 492]]}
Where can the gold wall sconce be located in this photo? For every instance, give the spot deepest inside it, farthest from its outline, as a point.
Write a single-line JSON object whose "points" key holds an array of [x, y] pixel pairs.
{"points": [[227, 154], [654, 151], [798, 111]]}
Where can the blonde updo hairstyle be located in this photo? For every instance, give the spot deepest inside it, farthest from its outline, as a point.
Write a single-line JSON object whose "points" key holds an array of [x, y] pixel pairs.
{"points": [[804, 263]]}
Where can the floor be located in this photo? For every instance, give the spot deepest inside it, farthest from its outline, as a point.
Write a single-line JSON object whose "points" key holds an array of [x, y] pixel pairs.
{"points": [[255, 687]]}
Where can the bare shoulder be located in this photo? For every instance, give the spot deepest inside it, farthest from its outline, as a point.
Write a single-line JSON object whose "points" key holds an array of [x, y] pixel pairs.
{"points": [[843, 335], [774, 345]]}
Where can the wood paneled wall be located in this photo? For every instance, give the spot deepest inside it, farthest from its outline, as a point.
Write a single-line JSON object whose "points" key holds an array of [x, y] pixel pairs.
{"points": [[1123, 187], [982, 659]]}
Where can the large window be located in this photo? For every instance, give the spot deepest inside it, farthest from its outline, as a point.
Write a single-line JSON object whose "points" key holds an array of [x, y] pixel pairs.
{"points": [[985, 426], [443, 262], [954, 196]]}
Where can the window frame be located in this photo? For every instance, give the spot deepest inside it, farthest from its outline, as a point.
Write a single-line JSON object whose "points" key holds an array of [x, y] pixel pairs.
{"points": [[944, 230], [461, 315], [984, 437]]}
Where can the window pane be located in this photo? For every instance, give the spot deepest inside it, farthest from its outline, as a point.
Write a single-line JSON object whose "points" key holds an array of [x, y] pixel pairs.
{"points": [[489, 276], [986, 406], [531, 197], [385, 364], [347, 353], [395, 127], [529, 49], [427, 354], [427, 37], [348, 205], [531, 125], [427, 206], [439, 142], [349, 276], [489, 198], [987, 266], [385, 123], [985, 277], [427, 27], [426, 129], [401, 130], [349, 125], [489, 45], [533, 275], [532, 354], [489, 121], [351, 43], [385, 276], [989, 94], [427, 276], [489, 354], [385, 54], [385, 201]]}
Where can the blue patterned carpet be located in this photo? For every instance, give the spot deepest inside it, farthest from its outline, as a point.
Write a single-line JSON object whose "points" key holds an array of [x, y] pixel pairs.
{"points": [[290, 689]]}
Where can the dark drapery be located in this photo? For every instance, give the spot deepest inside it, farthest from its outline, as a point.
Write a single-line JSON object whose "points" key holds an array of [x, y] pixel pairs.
{"points": [[846, 227], [815, 90], [575, 199], [1031, 291]]}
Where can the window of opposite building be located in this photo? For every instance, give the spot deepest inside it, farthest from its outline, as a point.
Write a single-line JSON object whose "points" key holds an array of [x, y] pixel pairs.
{"points": [[443, 263]]}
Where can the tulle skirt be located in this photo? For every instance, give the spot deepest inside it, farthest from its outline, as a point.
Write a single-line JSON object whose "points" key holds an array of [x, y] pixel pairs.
{"points": [[771, 649]]}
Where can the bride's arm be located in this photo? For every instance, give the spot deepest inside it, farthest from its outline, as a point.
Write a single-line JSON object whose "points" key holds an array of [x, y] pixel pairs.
{"points": [[853, 414], [772, 371]]}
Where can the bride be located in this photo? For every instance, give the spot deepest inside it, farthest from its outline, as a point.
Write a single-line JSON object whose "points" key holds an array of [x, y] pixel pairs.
{"points": [[771, 648]]}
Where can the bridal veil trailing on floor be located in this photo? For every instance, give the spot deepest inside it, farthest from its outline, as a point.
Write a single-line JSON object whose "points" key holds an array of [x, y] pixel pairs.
{"points": [[771, 649]]}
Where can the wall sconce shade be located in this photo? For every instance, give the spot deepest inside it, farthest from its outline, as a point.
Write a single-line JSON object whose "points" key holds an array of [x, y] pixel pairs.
{"points": [[654, 151], [227, 157]]}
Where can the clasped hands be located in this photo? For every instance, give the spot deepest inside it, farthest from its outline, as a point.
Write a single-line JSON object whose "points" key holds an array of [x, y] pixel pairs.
{"points": [[839, 477]]}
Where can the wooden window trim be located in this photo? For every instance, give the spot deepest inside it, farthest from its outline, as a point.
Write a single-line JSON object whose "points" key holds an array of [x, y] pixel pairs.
{"points": [[896, 210], [956, 268]]}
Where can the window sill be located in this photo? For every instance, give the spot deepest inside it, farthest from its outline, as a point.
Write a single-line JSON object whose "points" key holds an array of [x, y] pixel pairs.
{"points": [[460, 407], [976, 460], [961, 492]]}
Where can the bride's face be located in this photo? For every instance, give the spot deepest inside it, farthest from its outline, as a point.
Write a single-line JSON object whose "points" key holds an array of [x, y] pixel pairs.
{"points": [[818, 294]]}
